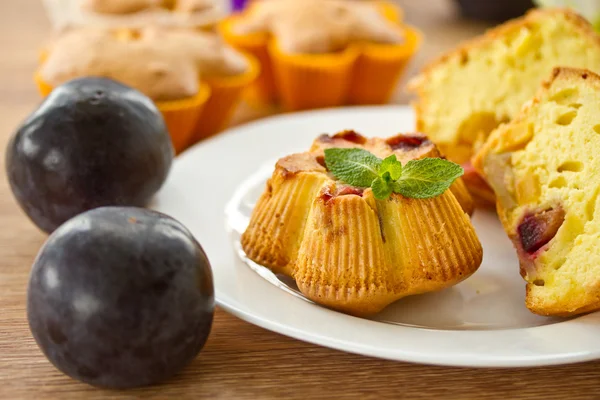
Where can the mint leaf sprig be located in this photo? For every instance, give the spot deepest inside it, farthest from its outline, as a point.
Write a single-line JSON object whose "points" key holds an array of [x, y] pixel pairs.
{"points": [[418, 179]]}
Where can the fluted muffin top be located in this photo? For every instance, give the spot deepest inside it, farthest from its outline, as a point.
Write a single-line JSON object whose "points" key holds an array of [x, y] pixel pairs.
{"points": [[406, 147], [133, 6], [165, 64], [318, 26]]}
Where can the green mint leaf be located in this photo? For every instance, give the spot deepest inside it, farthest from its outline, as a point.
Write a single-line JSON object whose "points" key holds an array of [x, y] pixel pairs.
{"points": [[386, 177], [381, 188], [426, 178], [356, 167], [392, 166]]}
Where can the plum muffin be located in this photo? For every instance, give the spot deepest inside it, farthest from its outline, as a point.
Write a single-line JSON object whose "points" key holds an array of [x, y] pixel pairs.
{"points": [[350, 251], [546, 176]]}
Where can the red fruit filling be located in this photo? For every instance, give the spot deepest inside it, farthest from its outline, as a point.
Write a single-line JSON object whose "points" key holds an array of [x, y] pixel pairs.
{"points": [[351, 136], [321, 161], [406, 142], [341, 190], [536, 230], [346, 190]]}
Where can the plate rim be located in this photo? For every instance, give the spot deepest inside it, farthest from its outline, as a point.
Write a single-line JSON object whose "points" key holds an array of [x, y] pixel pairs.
{"points": [[264, 320]]}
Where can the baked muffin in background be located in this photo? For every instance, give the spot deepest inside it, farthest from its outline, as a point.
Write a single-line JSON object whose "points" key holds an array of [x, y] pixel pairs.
{"points": [[346, 249], [194, 78], [545, 170], [119, 6], [465, 94], [119, 14], [323, 53]]}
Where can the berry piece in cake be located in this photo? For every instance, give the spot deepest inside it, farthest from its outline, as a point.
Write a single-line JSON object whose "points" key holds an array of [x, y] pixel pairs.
{"points": [[538, 229]]}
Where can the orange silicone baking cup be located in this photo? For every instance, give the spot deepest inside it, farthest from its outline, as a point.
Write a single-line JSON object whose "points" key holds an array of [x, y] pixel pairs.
{"points": [[313, 80], [302, 81], [379, 67], [263, 90], [226, 93], [390, 11], [180, 116]]}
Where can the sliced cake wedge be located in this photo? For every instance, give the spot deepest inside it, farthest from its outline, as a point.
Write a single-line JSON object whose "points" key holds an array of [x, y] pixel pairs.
{"points": [[545, 170], [467, 93]]}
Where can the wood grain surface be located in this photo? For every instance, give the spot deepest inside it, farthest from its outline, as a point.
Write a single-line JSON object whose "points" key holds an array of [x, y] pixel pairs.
{"points": [[240, 361]]}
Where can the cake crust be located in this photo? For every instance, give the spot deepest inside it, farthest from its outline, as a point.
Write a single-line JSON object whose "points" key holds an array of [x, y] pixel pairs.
{"points": [[564, 237], [500, 31], [460, 131]]}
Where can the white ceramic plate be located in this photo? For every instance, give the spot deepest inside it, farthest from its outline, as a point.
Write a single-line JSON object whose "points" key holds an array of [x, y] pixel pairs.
{"points": [[481, 322]]}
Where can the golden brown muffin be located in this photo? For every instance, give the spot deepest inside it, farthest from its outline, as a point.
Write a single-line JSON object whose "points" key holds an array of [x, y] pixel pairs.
{"points": [[192, 6], [466, 93], [164, 64], [544, 168], [319, 26], [119, 6], [349, 251], [195, 79]]}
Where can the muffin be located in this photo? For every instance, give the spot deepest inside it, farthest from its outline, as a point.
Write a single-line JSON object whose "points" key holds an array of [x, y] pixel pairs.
{"points": [[346, 249], [119, 6], [406, 147], [323, 53], [195, 80], [546, 175], [198, 14], [468, 92]]}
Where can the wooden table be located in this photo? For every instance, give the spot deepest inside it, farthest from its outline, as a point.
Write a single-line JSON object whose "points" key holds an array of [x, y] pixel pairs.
{"points": [[240, 360]]}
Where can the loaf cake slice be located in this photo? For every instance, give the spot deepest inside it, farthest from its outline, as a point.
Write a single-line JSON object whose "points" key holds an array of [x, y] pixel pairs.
{"points": [[464, 95], [545, 171]]}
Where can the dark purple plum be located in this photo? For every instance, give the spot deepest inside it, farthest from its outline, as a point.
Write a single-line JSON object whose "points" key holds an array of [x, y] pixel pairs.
{"points": [[93, 142], [120, 297]]}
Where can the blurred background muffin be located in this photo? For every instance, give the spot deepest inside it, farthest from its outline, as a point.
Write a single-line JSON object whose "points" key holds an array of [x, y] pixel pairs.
{"points": [[202, 14], [344, 74], [323, 53], [195, 79]]}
